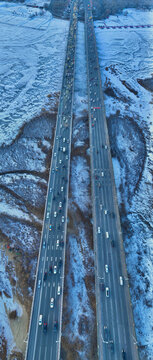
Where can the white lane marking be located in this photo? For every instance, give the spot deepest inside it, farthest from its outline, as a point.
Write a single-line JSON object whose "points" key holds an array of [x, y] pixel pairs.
{"points": [[45, 352], [39, 352], [51, 258], [46, 292], [49, 284], [53, 284], [48, 247], [47, 258]]}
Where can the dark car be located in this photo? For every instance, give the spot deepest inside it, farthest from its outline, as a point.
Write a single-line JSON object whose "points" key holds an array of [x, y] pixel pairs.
{"points": [[106, 333], [60, 262], [113, 243], [102, 286], [123, 354], [55, 326], [111, 346], [45, 327], [50, 269], [45, 275]]}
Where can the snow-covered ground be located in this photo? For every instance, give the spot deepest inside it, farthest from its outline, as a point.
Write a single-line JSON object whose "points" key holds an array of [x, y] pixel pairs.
{"points": [[126, 57], [32, 54]]}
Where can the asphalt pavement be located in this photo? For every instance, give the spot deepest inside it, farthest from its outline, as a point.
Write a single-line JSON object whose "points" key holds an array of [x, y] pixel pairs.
{"points": [[116, 337], [44, 338]]}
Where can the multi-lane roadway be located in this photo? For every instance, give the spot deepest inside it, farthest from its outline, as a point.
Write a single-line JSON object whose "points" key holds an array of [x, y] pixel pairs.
{"points": [[116, 337], [46, 316]]}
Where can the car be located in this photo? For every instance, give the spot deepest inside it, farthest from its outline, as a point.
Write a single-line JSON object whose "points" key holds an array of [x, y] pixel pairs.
{"points": [[50, 227], [107, 235], [123, 354], [50, 269], [63, 139], [61, 243], [62, 219], [39, 284], [61, 188], [106, 147], [98, 230], [102, 286], [55, 213], [51, 303], [40, 320], [60, 161], [106, 333], [102, 173], [112, 243], [47, 215], [60, 262], [45, 275], [60, 204], [111, 345], [55, 154], [101, 206], [55, 269], [51, 189], [121, 280], [58, 290], [45, 327], [44, 244], [67, 157], [106, 268], [55, 327], [107, 291], [57, 243], [105, 212]]}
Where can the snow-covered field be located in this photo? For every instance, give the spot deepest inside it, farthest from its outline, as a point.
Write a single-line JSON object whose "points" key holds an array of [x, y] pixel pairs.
{"points": [[32, 53]]}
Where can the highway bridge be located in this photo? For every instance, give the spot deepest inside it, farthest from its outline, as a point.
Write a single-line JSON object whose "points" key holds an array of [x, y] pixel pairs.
{"points": [[46, 316], [116, 337]]}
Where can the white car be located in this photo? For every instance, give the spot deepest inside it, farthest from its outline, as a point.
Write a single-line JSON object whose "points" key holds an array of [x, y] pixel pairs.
{"points": [[98, 230], [107, 291], [61, 188], [62, 219], [40, 319], [106, 268], [55, 154], [60, 161], [57, 243], [60, 204], [105, 212], [55, 269], [55, 213], [51, 303], [39, 284], [121, 280], [58, 290]]}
